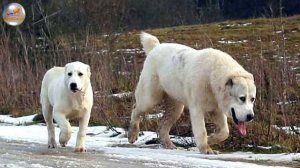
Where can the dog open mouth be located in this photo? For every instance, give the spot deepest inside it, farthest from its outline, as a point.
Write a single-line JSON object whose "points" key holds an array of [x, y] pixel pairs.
{"points": [[241, 124]]}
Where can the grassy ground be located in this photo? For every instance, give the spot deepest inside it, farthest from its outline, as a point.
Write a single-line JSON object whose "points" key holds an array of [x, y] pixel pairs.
{"points": [[268, 48]]}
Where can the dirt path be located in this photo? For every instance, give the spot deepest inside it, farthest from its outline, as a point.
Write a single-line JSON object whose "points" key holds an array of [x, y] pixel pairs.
{"points": [[15, 154], [19, 154]]}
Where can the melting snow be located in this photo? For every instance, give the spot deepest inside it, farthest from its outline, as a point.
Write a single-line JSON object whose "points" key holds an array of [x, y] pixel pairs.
{"points": [[232, 42], [287, 102], [103, 139], [121, 95], [154, 116], [130, 50], [288, 130], [17, 121]]}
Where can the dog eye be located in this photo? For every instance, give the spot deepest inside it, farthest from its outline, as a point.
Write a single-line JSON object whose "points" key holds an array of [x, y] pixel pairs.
{"points": [[252, 99], [80, 74], [69, 74], [243, 99]]}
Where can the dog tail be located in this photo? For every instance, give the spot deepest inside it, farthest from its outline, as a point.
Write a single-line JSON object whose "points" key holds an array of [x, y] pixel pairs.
{"points": [[148, 41]]}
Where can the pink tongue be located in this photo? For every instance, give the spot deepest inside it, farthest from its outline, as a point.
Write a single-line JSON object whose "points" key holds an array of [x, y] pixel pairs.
{"points": [[242, 128]]}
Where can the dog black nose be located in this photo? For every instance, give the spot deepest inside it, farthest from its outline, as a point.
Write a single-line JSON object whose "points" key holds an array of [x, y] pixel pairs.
{"points": [[250, 117], [73, 86]]}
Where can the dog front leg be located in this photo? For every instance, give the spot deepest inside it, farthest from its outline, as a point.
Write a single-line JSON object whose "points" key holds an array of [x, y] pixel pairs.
{"points": [[199, 131], [83, 124], [222, 131], [65, 127]]}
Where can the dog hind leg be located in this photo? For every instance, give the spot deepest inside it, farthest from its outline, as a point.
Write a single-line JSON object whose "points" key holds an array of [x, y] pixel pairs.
{"points": [[48, 117], [147, 95], [173, 112]]}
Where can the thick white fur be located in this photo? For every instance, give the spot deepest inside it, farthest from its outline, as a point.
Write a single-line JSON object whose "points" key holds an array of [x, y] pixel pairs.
{"points": [[148, 41], [60, 102], [206, 81]]}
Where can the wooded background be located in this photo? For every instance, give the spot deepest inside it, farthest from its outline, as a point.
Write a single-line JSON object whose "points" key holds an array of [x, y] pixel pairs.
{"points": [[123, 15]]}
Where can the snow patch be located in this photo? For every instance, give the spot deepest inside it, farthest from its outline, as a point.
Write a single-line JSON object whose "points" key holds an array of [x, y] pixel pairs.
{"points": [[102, 138], [232, 42], [121, 95], [295, 68], [17, 121], [288, 130], [154, 116], [287, 102], [130, 50]]}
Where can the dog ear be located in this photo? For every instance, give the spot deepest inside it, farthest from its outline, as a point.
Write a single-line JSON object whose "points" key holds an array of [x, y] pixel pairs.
{"points": [[66, 67], [229, 82], [88, 70]]}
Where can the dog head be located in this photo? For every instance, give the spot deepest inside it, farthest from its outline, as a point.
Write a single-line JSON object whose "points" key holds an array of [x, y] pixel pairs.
{"points": [[240, 92], [77, 76]]}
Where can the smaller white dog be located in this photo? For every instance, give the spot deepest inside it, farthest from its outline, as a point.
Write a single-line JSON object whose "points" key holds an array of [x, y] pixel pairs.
{"points": [[66, 92]]}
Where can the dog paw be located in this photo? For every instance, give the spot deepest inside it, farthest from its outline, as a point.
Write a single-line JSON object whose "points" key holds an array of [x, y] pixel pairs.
{"points": [[216, 152], [63, 144], [64, 138], [206, 149], [80, 149], [168, 144], [52, 143], [133, 134]]}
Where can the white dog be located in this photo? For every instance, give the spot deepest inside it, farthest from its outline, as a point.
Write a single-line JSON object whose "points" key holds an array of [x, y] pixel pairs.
{"points": [[66, 92], [209, 82]]}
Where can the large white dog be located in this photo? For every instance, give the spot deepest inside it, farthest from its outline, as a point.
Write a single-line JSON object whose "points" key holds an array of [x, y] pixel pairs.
{"points": [[208, 82], [67, 93]]}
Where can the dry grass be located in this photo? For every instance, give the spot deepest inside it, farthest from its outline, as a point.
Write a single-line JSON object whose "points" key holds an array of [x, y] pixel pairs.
{"points": [[269, 48]]}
